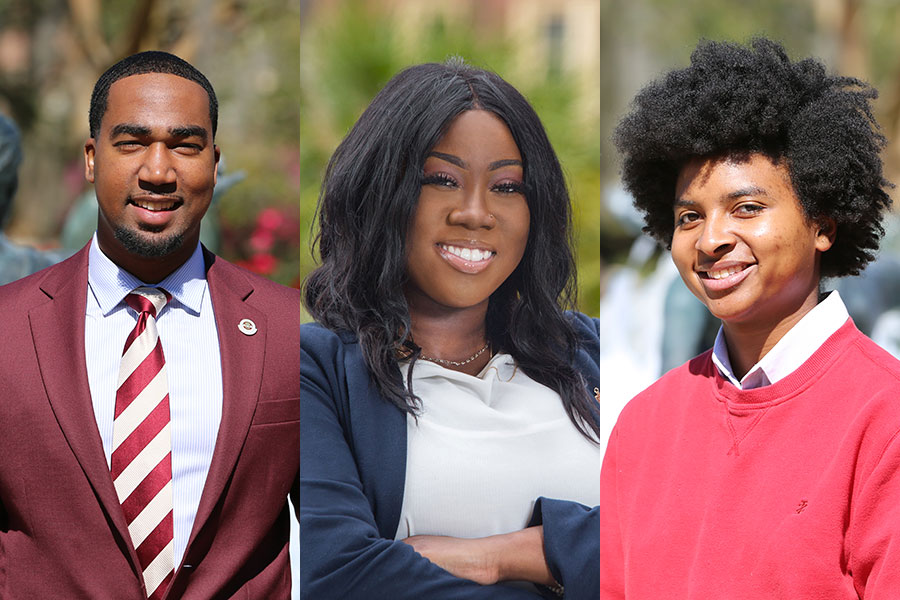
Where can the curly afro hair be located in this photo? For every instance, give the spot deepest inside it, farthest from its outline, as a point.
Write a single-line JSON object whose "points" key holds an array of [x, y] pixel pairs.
{"points": [[734, 100]]}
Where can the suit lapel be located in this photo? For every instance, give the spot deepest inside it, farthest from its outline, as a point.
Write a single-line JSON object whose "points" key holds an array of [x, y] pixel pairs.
{"points": [[57, 328], [242, 367]]}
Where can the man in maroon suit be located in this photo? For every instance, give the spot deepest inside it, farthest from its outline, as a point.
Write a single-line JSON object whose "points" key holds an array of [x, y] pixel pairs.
{"points": [[149, 392]]}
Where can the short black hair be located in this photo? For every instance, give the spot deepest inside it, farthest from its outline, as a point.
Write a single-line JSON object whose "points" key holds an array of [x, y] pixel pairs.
{"points": [[152, 61], [734, 100], [366, 206]]}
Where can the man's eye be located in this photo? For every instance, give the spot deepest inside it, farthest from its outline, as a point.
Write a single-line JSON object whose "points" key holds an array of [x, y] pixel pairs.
{"points": [[188, 148]]}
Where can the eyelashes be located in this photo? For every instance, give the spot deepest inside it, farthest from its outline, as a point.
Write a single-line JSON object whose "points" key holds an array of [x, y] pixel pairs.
{"points": [[446, 181], [509, 187], [441, 179]]}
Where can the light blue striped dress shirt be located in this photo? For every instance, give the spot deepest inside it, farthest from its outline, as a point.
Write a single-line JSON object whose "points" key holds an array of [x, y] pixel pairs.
{"points": [[187, 329]]}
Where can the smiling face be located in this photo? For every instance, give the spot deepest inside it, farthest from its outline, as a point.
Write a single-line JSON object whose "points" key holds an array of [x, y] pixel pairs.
{"points": [[471, 222], [743, 244], [153, 165]]}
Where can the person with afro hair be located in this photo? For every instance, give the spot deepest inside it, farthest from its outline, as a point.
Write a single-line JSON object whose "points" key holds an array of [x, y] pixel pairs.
{"points": [[768, 466]]}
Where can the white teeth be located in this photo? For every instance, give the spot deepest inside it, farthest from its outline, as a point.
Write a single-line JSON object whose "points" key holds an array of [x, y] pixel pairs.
{"points": [[155, 205], [469, 254], [724, 272]]}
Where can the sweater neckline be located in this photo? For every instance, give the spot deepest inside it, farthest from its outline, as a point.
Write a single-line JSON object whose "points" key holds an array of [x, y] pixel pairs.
{"points": [[787, 387]]}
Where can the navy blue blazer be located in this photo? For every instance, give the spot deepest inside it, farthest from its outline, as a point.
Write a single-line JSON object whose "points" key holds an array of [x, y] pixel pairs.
{"points": [[352, 475]]}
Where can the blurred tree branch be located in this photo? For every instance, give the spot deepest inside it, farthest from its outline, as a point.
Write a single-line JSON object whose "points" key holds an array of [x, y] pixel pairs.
{"points": [[85, 21]]}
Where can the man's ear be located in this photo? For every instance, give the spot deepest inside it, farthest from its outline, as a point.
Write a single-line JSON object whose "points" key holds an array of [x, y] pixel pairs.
{"points": [[89, 150], [216, 170], [827, 230]]}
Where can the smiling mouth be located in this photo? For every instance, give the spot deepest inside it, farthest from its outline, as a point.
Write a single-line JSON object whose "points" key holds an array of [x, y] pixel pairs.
{"points": [[721, 281], [722, 273], [156, 205], [466, 259], [473, 255]]}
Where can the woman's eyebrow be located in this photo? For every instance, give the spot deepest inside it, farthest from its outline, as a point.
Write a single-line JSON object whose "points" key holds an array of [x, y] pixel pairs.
{"points": [[449, 158], [506, 162]]}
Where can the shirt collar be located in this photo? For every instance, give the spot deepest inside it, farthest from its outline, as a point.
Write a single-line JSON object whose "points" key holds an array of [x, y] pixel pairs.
{"points": [[792, 350], [503, 365], [110, 283]]}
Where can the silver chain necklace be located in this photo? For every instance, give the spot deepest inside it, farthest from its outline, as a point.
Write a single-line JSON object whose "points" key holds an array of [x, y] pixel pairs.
{"points": [[457, 363]]}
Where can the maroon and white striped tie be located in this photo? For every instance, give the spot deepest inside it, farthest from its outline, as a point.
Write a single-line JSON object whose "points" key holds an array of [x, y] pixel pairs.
{"points": [[141, 464]]}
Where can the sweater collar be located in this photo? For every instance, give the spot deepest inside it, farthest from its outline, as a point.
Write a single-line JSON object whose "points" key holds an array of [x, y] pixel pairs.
{"points": [[791, 351], [792, 384]]}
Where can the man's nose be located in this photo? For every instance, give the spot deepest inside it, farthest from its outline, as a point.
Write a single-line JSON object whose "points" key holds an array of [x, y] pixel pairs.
{"points": [[157, 168]]}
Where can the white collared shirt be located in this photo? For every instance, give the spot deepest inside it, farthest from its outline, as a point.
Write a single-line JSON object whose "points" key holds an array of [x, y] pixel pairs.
{"points": [[792, 350], [187, 331]]}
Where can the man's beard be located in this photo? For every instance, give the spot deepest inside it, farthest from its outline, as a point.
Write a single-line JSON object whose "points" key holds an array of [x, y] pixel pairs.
{"points": [[148, 247]]}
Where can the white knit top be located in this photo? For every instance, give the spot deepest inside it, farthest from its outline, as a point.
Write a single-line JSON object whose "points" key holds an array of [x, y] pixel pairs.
{"points": [[484, 448]]}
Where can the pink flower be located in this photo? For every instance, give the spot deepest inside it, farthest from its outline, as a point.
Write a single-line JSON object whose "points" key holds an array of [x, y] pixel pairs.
{"points": [[262, 240], [263, 263], [270, 219]]}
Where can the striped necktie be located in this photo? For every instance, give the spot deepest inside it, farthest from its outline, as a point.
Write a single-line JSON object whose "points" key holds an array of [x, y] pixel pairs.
{"points": [[141, 464]]}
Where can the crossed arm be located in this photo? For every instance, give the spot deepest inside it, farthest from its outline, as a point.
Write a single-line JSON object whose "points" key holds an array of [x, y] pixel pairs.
{"points": [[516, 556], [344, 555]]}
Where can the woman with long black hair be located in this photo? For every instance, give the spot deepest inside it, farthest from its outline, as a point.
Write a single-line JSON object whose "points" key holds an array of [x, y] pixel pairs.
{"points": [[448, 420]]}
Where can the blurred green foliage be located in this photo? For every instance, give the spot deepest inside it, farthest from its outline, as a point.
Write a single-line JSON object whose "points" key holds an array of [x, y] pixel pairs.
{"points": [[347, 57], [259, 136]]}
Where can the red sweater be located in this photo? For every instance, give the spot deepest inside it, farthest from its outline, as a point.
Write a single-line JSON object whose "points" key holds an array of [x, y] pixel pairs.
{"points": [[788, 491]]}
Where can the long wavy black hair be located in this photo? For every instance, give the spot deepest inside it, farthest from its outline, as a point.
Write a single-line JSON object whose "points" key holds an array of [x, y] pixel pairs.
{"points": [[367, 202]]}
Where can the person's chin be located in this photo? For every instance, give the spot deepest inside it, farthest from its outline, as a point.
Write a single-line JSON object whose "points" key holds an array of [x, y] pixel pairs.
{"points": [[145, 242], [733, 313]]}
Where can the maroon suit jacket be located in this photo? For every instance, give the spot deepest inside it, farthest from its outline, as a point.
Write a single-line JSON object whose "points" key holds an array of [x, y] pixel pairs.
{"points": [[62, 530]]}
